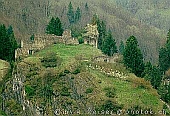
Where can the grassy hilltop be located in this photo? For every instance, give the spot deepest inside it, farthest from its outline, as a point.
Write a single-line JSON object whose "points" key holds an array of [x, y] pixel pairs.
{"points": [[78, 83]]}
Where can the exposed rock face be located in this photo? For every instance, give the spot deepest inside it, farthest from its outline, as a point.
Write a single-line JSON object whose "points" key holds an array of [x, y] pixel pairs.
{"points": [[41, 41], [91, 35]]}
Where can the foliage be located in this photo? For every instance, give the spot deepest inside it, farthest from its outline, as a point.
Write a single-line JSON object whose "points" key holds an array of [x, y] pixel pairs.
{"points": [[81, 40], [110, 92], [164, 91], [133, 57], [101, 27], [66, 71], [15, 107], [54, 27], [76, 31], [70, 13], [109, 45], [32, 37], [121, 47], [76, 71], [8, 43], [86, 7], [65, 91], [164, 55], [51, 60], [30, 91], [77, 15], [110, 106], [152, 74], [89, 90]]}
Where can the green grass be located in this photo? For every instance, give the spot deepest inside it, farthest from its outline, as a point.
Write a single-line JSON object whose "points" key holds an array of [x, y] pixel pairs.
{"points": [[128, 95], [3, 64], [127, 91], [70, 51]]}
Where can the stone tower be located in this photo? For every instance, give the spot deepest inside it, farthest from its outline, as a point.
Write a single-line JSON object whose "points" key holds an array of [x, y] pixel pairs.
{"points": [[91, 35]]}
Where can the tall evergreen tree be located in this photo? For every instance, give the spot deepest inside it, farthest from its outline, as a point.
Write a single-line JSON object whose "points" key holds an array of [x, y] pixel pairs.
{"points": [[13, 42], [50, 27], [58, 27], [152, 74], [8, 43], [121, 47], [70, 13], [77, 15], [164, 55], [101, 27], [86, 7], [133, 57], [95, 20], [109, 45], [54, 27]]}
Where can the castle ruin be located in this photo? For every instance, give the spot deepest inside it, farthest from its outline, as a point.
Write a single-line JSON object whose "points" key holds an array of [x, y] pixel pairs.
{"points": [[39, 42], [91, 35]]}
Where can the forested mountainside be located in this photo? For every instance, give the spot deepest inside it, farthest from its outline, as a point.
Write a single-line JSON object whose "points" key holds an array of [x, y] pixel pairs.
{"points": [[152, 12], [84, 57], [29, 17]]}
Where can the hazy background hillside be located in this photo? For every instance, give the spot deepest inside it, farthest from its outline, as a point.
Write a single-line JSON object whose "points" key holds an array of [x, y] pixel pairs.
{"points": [[30, 16]]}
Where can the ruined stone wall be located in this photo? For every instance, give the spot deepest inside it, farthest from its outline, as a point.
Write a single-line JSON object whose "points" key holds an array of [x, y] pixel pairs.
{"points": [[113, 59], [41, 41]]}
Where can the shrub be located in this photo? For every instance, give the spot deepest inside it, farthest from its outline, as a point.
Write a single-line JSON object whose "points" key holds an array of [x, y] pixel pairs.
{"points": [[66, 71], [51, 60], [81, 40], [65, 92], [110, 92], [62, 74], [109, 105], [89, 90], [29, 91], [76, 71]]}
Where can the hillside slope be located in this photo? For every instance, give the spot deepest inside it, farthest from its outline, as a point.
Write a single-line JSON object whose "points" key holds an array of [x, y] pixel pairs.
{"points": [[4, 67], [29, 17], [78, 85]]}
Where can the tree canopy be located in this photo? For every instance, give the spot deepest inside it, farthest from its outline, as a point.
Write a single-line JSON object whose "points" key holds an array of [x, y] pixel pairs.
{"points": [[109, 45], [54, 27], [8, 43], [133, 57]]}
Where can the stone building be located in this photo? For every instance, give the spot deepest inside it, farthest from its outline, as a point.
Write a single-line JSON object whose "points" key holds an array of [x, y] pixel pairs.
{"points": [[108, 59], [91, 35], [39, 42]]}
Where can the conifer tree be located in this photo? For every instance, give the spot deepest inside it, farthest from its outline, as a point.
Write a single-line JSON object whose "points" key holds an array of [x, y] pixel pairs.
{"points": [[95, 20], [50, 27], [86, 7], [58, 30], [70, 13], [133, 57], [152, 74], [101, 27], [121, 47], [164, 55], [13, 43], [8, 44], [54, 27], [109, 45], [77, 15]]}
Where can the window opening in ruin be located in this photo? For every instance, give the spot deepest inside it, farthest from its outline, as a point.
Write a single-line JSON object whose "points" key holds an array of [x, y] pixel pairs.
{"points": [[30, 52]]}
